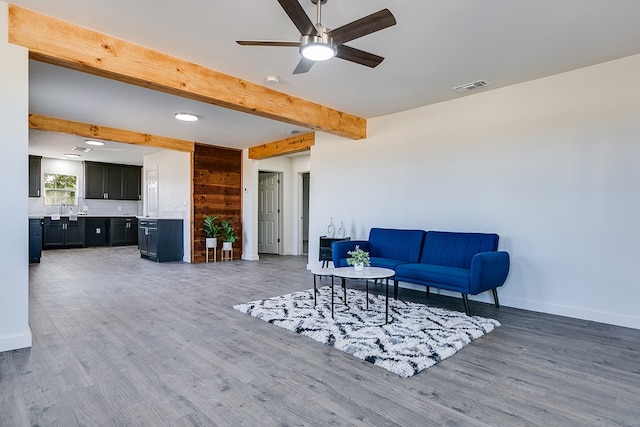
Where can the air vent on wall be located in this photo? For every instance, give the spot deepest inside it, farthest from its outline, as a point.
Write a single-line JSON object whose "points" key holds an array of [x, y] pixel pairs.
{"points": [[468, 86]]}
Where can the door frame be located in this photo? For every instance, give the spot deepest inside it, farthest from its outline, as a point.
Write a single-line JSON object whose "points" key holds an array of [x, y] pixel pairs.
{"points": [[280, 235]]}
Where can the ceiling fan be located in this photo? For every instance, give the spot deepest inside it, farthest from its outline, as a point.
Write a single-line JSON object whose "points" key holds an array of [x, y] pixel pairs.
{"points": [[318, 43]]}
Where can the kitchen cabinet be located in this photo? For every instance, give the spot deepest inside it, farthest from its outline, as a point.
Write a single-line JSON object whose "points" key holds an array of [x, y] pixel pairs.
{"points": [[161, 240], [35, 239], [63, 233], [35, 174], [123, 231], [95, 231], [111, 181]]}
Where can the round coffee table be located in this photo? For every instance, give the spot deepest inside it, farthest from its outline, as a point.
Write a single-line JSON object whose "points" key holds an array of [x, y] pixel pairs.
{"points": [[368, 273]]}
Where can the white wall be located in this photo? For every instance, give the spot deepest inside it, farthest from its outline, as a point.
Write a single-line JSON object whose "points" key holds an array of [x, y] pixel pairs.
{"points": [[551, 165], [95, 207], [174, 189], [14, 170]]}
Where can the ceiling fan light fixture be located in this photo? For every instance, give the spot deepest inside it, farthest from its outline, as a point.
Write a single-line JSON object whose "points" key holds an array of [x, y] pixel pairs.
{"points": [[318, 48]]}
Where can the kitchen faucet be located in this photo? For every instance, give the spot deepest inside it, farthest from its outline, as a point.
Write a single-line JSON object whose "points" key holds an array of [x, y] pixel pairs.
{"points": [[63, 207]]}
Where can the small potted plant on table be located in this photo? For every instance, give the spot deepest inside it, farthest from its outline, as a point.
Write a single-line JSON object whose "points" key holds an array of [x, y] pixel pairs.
{"points": [[359, 259]]}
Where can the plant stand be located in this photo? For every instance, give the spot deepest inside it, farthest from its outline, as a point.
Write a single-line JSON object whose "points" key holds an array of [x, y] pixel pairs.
{"points": [[227, 254], [215, 252]]}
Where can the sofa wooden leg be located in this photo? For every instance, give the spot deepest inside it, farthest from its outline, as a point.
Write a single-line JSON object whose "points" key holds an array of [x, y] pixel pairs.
{"points": [[495, 297], [428, 291], [465, 302], [395, 289]]}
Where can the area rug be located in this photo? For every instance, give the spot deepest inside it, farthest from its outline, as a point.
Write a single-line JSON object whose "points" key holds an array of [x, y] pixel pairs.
{"points": [[416, 337]]}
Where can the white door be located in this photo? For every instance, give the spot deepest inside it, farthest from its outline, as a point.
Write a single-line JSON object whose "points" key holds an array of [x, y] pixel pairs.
{"points": [[268, 212]]}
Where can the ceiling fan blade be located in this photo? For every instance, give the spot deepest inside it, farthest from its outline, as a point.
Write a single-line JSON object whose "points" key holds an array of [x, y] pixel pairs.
{"points": [[299, 17], [359, 56], [363, 26], [267, 43], [303, 66]]}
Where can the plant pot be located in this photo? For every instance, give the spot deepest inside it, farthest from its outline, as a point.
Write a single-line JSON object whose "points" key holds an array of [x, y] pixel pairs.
{"points": [[211, 242], [227, 246], [358, 267]]}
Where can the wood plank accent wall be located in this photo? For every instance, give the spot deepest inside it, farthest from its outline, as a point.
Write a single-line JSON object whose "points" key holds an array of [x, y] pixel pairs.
{"points": [[217, 190]]}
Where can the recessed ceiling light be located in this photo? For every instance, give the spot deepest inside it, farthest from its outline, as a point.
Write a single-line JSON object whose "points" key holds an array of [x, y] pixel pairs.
{"points": [[186, 117], [72, 155], [92, 142]]}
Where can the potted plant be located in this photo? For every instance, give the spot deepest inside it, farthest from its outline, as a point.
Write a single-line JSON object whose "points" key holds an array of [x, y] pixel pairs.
{"points": [[228, 234], [211, 231], [359, 259]]}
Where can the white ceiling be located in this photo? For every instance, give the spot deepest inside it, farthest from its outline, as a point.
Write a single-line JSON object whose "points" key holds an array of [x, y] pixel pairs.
{"points": [[435, 46]]}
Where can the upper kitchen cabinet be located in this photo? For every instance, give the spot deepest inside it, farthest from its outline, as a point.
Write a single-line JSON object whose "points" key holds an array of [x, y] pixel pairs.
{"points": [[111, 181], [35, 173]]}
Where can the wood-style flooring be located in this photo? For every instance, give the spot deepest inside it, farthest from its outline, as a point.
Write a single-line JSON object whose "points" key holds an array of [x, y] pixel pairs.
{"points": [[122, 341]]}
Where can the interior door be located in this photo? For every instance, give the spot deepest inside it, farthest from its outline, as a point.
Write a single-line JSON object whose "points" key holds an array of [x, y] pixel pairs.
{"points": [[268, 212]]}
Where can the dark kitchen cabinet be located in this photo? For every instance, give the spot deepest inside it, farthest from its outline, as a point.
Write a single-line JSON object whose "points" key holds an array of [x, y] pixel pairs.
{"points": [[35, 239], [35, 174], [111, 181], [63, 233], [161, 240], [123, 231], [95, 231]]}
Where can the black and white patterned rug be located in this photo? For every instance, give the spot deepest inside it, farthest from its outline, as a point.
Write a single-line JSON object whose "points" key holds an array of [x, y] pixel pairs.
{"points": [[417, 336]]}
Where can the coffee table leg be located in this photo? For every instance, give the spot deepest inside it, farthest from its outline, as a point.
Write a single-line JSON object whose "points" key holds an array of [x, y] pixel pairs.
{"points": [[366, 286], [344, 289], [314, 290], [332, 297], [386, 309]]}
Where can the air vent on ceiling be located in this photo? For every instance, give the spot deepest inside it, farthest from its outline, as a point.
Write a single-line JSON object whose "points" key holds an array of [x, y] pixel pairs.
{"points": [[468, 86], [83, 149]]}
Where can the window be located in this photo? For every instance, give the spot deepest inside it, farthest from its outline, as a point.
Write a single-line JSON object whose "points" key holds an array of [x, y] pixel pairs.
{"points": [[60, 189]]}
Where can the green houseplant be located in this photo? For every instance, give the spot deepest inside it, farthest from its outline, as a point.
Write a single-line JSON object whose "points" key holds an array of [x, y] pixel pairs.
{"points": [[228, 234], [359, 259], [211, 231]]}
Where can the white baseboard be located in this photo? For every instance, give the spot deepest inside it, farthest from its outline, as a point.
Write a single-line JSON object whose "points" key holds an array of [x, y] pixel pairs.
{"points": [[250, 257], [542, 307], [15, 342]]}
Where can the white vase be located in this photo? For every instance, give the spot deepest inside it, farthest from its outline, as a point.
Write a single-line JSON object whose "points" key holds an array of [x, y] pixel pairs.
{"points": [[358, 267], [211, 242], [331, 229], [227, 246], [341, 230]]}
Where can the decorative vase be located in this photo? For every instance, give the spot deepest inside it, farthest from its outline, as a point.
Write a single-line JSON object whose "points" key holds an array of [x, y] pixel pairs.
{"points": [[211, 242], [341, 230], [227, 246], [331, 229], [358, 267]]}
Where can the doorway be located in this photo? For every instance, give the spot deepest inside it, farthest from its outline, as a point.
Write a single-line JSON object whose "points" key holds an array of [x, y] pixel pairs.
{"points": [[269, 212], [304, 214]]}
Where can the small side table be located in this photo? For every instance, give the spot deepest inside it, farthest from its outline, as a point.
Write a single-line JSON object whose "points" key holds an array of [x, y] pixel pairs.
{"points": [[325, 252], [227, 255], [215, 253]]}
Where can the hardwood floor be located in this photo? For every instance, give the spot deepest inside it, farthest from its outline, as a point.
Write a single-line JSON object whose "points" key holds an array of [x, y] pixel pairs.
{"points": [[120, 341]]}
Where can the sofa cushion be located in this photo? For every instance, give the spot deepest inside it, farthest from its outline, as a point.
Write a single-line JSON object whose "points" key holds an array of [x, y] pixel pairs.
{"points": [[451, 249], [386, 262], [394, 244], [453, 278]]}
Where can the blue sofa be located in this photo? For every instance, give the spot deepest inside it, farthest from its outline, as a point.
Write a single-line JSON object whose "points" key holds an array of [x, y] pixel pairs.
{"points": [[469, 263]]}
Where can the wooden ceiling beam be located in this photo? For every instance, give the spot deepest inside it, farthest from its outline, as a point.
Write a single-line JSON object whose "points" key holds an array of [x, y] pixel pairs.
{"points": [[294, 144], [60, 43], [105, 133]]}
